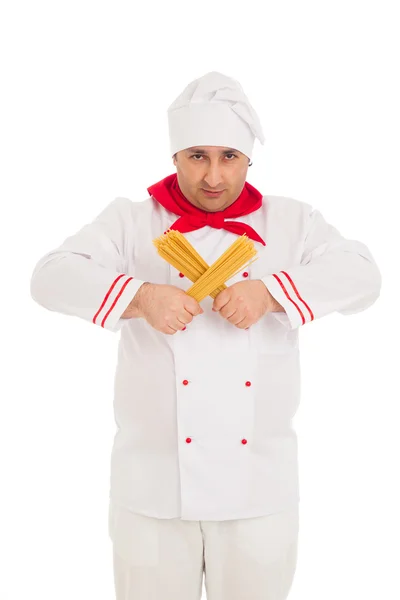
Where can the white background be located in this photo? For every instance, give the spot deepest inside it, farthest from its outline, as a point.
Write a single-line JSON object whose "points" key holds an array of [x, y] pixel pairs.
{"points": [[84, 98]]}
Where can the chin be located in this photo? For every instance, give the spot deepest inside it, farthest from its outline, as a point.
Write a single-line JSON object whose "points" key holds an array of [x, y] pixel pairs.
{"points": [[213, 207]]}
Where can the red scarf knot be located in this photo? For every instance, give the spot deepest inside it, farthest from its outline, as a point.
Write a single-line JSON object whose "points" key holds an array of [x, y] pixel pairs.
{"points": [[168, 193], [215, 220]]}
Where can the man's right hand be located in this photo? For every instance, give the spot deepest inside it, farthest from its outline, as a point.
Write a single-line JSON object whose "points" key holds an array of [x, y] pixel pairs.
{"points": [[166, 308]]}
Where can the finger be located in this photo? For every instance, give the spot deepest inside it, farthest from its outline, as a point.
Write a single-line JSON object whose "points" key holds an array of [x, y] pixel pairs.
{"points": [[183, 321], [170, 330], [193, 307], [235, 318], [220, 301], [243, 324], [228, 311], [185, 318]]}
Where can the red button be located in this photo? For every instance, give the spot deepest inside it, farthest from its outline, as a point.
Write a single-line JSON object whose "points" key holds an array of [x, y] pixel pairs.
{"points": [[181, 275], [244, 441], [248, 383], [184, 329], [185, 382], [188, 440], [245, 274]]}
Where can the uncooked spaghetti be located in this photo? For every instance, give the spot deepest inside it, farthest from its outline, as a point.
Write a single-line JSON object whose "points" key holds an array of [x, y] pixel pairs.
{"points": [[207, 281]]}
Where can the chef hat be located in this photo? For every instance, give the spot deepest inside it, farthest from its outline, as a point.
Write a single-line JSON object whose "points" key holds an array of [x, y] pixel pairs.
{"points": [[213, 111]]}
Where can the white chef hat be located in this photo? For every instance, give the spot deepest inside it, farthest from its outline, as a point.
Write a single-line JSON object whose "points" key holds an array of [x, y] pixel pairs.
{"points": [[213, 111]]}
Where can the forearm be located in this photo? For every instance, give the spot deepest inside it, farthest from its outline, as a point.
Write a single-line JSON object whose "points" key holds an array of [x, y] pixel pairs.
{"points": [[275, 306], [271, 303], [72, 284], [133, 310]]}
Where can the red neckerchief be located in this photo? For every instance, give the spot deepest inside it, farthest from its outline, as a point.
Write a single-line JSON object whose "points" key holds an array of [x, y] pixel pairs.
{"points": [[168, 193]]}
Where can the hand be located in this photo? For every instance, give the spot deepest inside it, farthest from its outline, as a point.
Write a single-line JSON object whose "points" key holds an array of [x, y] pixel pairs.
{"points": [[166, 308], [245, 302]]}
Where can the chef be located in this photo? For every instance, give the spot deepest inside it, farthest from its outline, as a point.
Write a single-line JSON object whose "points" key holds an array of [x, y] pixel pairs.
{"points": [[204, 473]]}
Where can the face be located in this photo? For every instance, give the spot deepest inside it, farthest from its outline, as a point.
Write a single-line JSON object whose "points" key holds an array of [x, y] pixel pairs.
{"points": [[211, 168]]}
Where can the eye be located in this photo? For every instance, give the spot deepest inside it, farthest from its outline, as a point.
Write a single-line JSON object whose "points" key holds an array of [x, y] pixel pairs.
{"points": [[229, 154]]}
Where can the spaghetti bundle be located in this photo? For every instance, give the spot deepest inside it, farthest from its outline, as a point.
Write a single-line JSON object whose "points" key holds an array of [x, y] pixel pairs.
{"points": [[207, 281]]}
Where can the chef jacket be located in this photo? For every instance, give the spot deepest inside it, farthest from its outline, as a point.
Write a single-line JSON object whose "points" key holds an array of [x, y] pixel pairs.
{"points": [[204, 416]]}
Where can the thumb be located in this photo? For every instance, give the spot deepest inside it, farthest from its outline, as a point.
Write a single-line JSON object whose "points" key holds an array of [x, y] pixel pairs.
{"points": [[196, 308], [221, 299], [217, 304]]}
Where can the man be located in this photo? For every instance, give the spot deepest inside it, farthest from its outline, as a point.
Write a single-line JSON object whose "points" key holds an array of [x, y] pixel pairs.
{"points": [[204, 465]]}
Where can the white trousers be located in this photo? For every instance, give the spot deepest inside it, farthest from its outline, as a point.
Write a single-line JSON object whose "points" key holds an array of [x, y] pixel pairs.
{"points": [[165, 559]]}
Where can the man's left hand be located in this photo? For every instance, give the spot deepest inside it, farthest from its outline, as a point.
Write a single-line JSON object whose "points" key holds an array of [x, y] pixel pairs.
{"points": [[245, 302]]}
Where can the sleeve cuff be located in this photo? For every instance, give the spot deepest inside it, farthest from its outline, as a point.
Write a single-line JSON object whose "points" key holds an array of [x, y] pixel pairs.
{"points": [[109, 314], [283, 293]]}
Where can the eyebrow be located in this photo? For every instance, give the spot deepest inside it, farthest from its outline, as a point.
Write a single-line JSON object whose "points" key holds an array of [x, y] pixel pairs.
{"points": [[200, 151]]}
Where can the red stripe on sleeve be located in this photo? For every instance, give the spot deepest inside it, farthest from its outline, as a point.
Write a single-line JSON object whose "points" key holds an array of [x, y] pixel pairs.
{"points": [[116, 300], [298, 295], [107, 295], [289, 298]]}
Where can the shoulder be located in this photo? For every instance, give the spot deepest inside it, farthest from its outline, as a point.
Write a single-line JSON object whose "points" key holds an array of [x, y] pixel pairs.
{"points": [[145, 212], [285, 216], [285, 209], [128, 210], [139, 207], [286, 206]]}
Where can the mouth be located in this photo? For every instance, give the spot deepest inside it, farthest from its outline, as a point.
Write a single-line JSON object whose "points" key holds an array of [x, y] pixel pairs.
{"points": [[212, 194]]}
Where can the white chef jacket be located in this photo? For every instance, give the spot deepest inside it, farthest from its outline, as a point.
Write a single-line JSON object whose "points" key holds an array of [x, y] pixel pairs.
{"points": [[205, 415]]}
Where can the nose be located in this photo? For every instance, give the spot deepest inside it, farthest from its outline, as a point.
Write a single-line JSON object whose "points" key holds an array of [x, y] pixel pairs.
{"points": [[213, 177]]}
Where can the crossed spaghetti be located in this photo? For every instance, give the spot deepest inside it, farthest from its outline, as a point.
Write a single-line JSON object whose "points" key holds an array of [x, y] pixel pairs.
{"points": [[207, 280]]}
